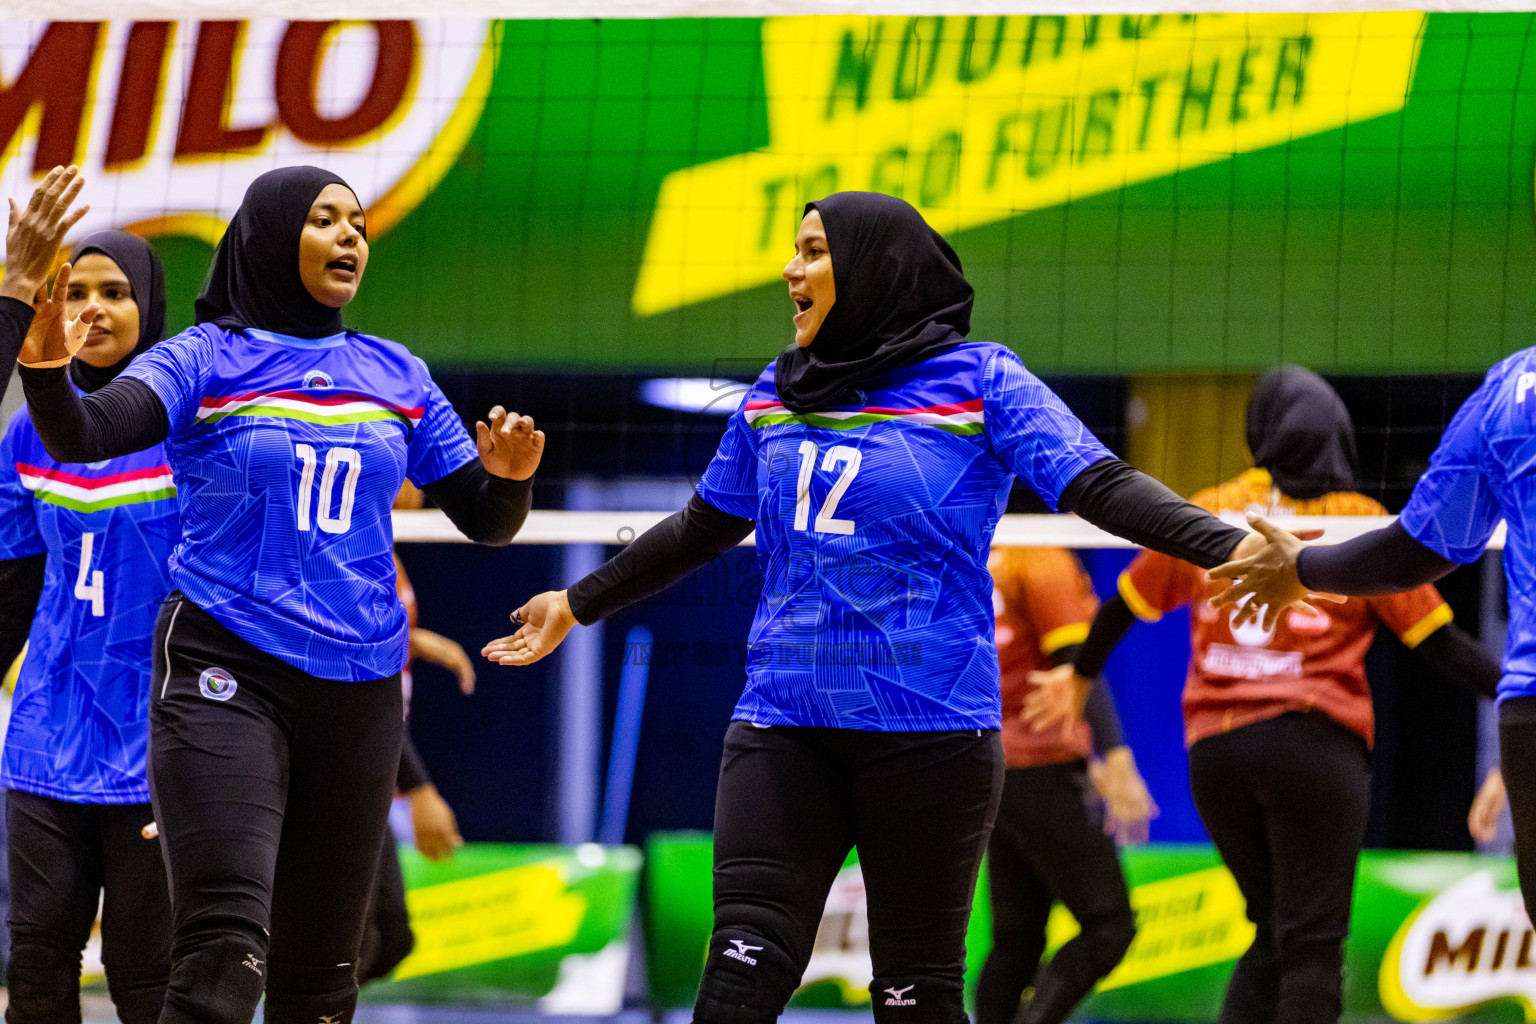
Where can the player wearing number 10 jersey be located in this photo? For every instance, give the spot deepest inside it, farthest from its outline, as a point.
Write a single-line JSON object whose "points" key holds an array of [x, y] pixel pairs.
{"points": [[275, 719], [873, 459]]}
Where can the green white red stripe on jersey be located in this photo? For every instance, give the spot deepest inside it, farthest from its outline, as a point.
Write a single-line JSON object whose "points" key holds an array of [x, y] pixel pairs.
{"points": [[92, 494], [327, 410], [963, 418]]}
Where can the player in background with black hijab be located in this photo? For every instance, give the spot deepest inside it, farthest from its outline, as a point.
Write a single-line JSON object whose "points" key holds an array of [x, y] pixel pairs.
{"points": [[276, 710], [83, 552], [1279, 721], [873, 457]]}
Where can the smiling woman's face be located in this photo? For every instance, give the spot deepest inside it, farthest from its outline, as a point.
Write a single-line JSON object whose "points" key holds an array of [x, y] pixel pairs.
{"points": [[95, 277], [333, 251], [810, 279]]}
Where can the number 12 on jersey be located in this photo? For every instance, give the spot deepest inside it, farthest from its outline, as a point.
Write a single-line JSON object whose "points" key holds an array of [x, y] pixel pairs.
{"points": [[335, 458], [849, 458]]}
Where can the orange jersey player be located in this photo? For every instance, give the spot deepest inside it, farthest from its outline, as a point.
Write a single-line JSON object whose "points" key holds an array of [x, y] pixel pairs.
{"points": [[1279, 722], [1050, 841]]}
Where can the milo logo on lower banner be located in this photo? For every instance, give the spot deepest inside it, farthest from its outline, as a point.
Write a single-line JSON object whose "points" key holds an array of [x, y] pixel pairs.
{"points": [[171, 120], [1470, 944]]}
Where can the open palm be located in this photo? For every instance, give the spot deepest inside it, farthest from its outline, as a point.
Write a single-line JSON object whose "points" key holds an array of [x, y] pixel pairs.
{"points": [[54, 338], [543, 623], [509, 446]]}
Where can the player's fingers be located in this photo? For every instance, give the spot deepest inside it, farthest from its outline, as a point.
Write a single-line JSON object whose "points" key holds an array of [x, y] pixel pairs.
{"points": [[15, 210], [1232, 570], [74, 218], [40, 193], [1311, 533], [1330, 598], [1271, 532], [1233, 594], [483, 440], [67, 196]]}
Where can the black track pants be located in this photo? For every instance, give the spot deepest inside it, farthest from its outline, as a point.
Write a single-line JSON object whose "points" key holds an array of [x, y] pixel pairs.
{"points": [[63, 858], [791, 803], [1049, 845], [1285, 801], [1517, 755], [272, 793]]}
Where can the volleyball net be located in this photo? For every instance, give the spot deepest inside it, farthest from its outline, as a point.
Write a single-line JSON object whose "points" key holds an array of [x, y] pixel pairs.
{"points": [[585, 217]]}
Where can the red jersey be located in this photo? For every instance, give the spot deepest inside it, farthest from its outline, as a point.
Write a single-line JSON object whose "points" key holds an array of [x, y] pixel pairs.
{"points": [[1044, 602], [1247, 675]]}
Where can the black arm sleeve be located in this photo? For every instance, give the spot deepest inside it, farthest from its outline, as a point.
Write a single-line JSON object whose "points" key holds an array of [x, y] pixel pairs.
{"points": [[15, 318], [1384, 561], [1102, 718], [412, 773], [1109, 627], [122, 417], [1461, 659], [21, 586], [658, 558], [1128, 503], [488, 509]]}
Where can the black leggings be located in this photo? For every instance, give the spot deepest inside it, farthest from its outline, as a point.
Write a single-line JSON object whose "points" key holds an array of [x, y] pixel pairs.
{"points": [[1517, 755], [272, 793], [63, 858], [1049, 844], [1285, 801], [791, 803], [387, 935]]}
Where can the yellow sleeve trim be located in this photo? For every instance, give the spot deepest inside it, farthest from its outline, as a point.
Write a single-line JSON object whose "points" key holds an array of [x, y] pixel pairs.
{"points": [[1427, 625], [1063, 636], [1140, 607]]}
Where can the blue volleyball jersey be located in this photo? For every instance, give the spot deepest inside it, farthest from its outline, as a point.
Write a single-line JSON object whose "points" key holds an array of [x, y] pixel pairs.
{"points": [[873, 528], [288, 453], [1484, 470], [80, 716]]}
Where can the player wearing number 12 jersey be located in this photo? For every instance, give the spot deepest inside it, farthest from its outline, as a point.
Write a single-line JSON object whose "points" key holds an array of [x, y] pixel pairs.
{"points": [[83, 550], [275, 718], [873, 458]]}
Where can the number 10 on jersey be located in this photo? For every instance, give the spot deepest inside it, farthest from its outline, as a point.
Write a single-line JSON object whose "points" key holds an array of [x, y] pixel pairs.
{"points": [[335, 458]]}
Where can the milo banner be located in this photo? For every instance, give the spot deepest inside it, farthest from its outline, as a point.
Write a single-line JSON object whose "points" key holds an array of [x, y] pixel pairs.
{"points": [[545, 926], [1351, 191], [1433, 937]]}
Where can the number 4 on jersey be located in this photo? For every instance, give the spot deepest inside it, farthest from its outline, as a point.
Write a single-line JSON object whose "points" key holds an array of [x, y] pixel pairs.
{"points": [[334, 459], [91, 586]]}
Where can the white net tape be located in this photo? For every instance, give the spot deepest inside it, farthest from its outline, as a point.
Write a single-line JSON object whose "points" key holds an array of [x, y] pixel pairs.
{"points": [[1016, 530]]}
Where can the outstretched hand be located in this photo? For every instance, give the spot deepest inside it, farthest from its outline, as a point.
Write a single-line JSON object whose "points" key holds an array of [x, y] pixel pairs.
{"points": [[35, 231], [53, 339], [1487, 806], [440, 650], [1264, 566], [1128, 804], [1055, 700], [510, 447], [542, 625]]}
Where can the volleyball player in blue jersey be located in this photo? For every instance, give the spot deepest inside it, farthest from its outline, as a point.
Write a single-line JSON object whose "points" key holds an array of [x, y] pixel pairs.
{"points": [[873, 458], [1484, 470], [83, 552], [275, 713]]}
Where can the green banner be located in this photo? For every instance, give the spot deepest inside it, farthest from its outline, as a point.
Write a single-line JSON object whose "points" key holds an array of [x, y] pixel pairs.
{"points": [[540, 925], [1433, 937], [1140, 193]]}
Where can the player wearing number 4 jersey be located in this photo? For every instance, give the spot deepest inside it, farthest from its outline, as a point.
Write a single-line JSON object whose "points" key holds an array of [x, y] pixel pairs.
{"points": [[873, 458], [275, 718], [83, 552]]}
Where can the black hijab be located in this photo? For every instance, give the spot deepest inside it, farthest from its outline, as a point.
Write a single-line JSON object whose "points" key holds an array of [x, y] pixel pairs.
{"points": [[901, 297], [254, 280], [146, 279], [1299, 430]]}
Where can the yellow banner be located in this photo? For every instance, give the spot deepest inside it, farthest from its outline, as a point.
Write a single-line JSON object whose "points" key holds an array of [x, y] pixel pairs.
{"points": [[490, 917], [977, 119], [1182, 923]]}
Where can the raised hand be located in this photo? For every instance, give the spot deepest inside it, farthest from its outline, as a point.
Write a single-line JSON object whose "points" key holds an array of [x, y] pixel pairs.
{"points": [[542, 624], [53, 339], [1055, 700], [510, 447], [34, 232], [1264, 564]]}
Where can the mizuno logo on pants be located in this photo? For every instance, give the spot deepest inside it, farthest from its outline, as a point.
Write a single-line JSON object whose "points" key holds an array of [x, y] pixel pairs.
{"points": [[741, 951], [896, 996]]}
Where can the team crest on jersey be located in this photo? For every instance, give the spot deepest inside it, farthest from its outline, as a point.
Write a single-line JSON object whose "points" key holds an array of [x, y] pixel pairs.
{"points": [[318, 379], [217, 684]]}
